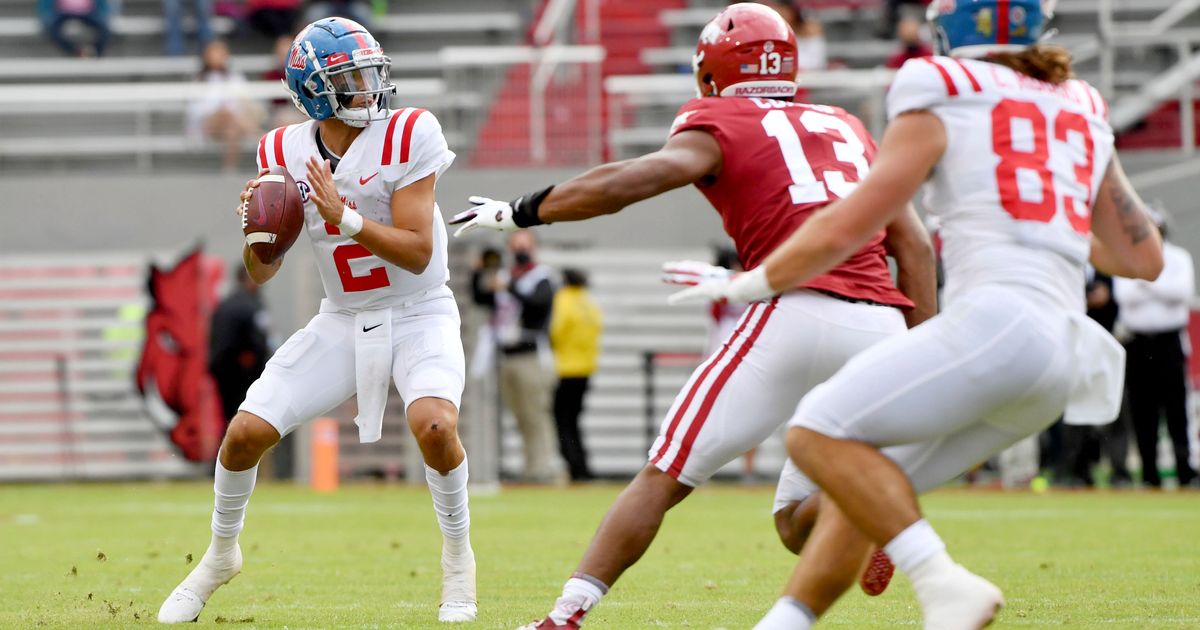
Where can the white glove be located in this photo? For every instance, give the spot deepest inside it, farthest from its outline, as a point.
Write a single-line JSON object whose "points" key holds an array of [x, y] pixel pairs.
{"points": [[692, 272], [741, 288], [488, 213]]}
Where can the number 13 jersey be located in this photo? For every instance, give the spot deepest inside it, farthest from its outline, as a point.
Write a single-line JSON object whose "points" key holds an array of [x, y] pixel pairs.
{"points": [[1013, 192], [782, 161], [388, 155]]}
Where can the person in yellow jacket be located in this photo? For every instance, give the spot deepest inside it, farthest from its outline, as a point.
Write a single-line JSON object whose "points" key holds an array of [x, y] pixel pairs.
{"points": [[575, 326]]}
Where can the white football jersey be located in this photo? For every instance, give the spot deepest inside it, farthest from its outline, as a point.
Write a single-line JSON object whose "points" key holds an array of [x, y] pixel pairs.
{"points": [[388, 155], [1024, 159]]}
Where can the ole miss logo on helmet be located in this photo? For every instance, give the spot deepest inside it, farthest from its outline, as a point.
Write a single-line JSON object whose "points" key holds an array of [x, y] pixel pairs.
{"points": [[296, 59]]}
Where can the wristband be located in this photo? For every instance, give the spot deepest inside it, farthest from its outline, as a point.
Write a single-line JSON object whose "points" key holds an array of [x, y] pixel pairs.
{"points": [[352, 222], [525, 208]]}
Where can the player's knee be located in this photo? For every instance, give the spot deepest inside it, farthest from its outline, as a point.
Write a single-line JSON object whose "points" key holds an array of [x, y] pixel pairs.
{"points": [[783, 527], [799, 444], [436, 430], [247, 438], [794, 522], [665, 489]]}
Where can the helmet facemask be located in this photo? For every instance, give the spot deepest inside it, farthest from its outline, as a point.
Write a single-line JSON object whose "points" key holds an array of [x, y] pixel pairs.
{"points": [[344, 80]]}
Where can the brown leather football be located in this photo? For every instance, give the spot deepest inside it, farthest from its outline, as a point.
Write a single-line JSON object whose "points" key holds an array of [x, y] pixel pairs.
{"points": [[274, 216]]}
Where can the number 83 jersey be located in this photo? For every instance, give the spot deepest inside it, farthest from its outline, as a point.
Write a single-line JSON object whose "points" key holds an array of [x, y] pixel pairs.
{"points": [[1013, 192], [388, 155]]}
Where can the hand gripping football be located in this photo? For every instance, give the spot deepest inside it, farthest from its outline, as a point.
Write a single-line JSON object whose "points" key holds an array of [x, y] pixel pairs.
{"points": [[274, 215]]}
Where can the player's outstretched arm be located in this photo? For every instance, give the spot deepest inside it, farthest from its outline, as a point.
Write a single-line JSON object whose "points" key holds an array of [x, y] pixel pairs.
{"points": [[1126, 242], [912, 145], [908, 242], [687, 157], [407, 243]]}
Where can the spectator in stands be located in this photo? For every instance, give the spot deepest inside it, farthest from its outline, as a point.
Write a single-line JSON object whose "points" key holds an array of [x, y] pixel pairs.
{"points": [[283, 111], [524, 298], [273, 18], [892, 14], [1085, 445], [238, 342], [356, 10], [222, 113], [202, 11], [1157, 313], [575, 326], [486, 279], [63, 18], [810, 35], [912, 44]]}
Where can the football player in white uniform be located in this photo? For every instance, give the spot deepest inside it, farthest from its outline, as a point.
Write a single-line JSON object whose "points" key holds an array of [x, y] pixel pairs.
{"points": [[367, 175], [1026, 187]]}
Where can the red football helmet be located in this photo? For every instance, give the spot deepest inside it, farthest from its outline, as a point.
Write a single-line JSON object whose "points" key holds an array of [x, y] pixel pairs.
{"points": [[747, 50]]}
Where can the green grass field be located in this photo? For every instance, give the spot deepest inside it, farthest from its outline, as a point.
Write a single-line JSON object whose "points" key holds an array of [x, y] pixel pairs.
{"points": [[367, 557]]}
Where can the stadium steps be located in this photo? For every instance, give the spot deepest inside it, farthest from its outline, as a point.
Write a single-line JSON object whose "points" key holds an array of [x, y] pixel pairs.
{"points": [[68, 348]]}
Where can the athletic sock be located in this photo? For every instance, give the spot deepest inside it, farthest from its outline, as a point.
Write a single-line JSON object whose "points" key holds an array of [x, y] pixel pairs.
{"points": [[449, 494], [788, 613], [232, 490], [580, 594], [913, 546]]}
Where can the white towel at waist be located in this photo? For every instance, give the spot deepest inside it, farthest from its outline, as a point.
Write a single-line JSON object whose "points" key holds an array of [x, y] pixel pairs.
{"points": [[372, 370], [1099, 381]]}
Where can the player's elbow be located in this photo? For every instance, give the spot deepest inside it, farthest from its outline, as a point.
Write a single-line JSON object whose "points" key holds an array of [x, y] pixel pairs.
{"points": [[420, 258], [1150, 266]]}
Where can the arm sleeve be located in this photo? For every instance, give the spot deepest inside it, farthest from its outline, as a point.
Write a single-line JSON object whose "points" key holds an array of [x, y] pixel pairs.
{"points": [[918, 86], [419, 151]]}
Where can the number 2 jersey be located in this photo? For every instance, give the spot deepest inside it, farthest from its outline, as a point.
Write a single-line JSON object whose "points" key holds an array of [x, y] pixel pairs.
{"points": [[388, 155], [782, 161], [1013, 192]]}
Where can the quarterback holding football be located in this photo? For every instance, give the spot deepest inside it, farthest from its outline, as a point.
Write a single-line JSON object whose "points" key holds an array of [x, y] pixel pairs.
{"points": [[366, 176]]}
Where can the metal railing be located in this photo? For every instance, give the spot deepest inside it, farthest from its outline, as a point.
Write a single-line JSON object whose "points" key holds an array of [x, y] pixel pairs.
{"points": [[1177, 81]]}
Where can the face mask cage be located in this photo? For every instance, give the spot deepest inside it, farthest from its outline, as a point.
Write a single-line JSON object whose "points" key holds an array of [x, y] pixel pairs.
{"points": [[345, 82]]}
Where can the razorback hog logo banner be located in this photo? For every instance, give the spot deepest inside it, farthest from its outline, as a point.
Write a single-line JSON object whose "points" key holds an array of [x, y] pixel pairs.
{"points": [[172, 376]]}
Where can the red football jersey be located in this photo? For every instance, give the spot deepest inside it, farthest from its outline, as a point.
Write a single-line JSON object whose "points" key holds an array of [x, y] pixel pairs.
{"points": [[782, 161]]}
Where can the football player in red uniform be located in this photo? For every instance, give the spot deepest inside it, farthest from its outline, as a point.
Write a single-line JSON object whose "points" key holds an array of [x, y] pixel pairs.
{"points": [[766, 163]]}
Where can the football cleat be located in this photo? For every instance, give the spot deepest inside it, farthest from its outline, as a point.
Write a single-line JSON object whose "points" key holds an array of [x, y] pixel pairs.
{"points": [[458, 586], [959, 600], [878, 574], [457, 612], [184, 603], [550, 624]]}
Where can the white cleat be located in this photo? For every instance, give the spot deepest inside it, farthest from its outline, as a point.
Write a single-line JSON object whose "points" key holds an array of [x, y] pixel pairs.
{"points": [[458, 585], [457, 612], [184, 603], [960, 601]]}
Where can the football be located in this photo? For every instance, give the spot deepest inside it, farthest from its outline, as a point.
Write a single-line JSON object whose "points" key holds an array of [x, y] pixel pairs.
{"points": [[273, 216]]}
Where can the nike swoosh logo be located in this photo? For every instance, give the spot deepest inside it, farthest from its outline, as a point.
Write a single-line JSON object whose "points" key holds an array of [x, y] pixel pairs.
{"points": [[363, 181], [365, 329]]}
